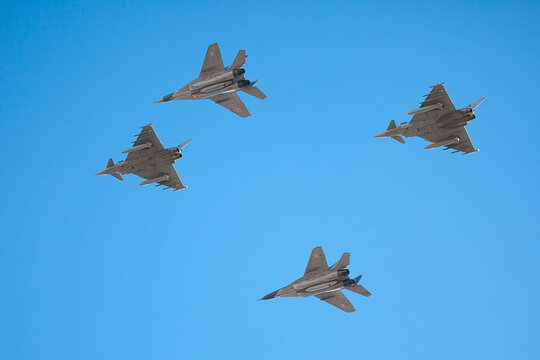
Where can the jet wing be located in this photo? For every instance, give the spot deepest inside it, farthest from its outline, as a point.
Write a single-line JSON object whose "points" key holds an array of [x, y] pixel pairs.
{"points": [[437, 95], [317, 262], [152, 172], [464, 145], [337, 299], [147, 135], [213, 63], [232, 102]]}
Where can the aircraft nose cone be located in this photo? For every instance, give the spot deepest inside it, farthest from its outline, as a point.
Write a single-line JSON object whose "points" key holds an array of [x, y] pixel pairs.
{"points": [[270, 296], [165, 98]]}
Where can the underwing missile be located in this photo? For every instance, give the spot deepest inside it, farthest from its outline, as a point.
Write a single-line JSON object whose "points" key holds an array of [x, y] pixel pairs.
{"points": [[443, 143], [424, 109], [138, 147], [154, 180]]}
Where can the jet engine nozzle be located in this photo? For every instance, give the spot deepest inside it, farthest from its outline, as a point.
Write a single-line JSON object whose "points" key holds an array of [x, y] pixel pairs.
{"points": [[244, 83], [238, 72], [343, 273]]}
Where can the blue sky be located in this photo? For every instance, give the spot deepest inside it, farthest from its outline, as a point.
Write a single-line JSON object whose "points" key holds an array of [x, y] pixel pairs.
{"points": [[94, 268]]}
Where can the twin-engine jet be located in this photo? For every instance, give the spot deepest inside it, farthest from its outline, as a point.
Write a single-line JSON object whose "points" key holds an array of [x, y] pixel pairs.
{"points": [[324, 282], [219, 83], [148, 159], [437, 121]]}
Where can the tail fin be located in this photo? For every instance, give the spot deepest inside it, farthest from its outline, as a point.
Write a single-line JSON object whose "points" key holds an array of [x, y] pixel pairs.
{"points": [[239, 60], [115, 174], [343, 262], [254, 91], [475, 104], [391, 126]]}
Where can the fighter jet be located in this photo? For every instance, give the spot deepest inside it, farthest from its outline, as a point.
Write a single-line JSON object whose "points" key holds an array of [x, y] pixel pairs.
{"points": [[324, 282], [437, 121], [148, 159], [219, 83]]}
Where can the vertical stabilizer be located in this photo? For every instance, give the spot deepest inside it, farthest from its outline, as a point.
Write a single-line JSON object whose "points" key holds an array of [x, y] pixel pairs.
{"points": [[475, 104], [239, 60], [183, 145], [343, 262], [117, 175], [392, 125]]}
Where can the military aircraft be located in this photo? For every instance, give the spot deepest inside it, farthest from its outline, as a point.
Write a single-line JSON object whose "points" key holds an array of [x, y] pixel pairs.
{"points": [[219, 83], [148, 159], [437, 121], [324, 282]]}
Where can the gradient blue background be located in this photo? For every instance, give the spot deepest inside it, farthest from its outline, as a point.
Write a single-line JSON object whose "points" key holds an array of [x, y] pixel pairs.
{"points": [[93, 268]]}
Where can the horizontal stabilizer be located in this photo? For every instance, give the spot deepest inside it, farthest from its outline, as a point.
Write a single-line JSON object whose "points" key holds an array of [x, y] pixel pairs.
{"points": [[475, 104], [254, 91], [118, 176], [399, 138], [359, 289]]}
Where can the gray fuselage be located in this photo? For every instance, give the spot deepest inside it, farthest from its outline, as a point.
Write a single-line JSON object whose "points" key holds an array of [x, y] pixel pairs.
{"points": [[159, 159], [328, 281], [454, 119], [203, 88]]}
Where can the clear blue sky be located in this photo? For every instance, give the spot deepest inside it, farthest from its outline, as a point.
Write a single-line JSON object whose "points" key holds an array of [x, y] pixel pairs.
{"points": [[93, 268]]}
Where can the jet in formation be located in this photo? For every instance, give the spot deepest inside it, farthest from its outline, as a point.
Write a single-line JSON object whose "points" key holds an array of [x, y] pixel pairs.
{"points": [[148, 159], [219, 83], [324, 282], [438, 122]]}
